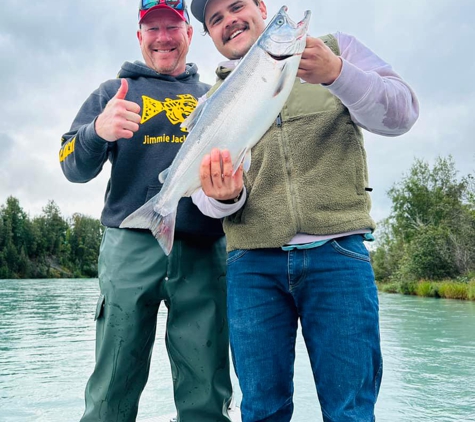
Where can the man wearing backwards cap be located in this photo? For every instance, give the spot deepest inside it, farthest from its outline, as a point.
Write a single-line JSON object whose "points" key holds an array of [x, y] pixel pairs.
{"points": [[134, 122], [295, 243]]}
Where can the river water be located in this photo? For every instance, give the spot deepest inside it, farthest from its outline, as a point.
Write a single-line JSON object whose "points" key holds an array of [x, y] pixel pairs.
{"points": [[47, 355]]}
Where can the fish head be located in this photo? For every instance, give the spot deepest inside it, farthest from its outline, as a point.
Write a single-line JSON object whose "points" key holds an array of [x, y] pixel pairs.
{"points": [[283, 37]]}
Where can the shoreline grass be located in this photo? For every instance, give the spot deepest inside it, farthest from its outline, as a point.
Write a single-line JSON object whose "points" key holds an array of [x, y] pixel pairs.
{"points": [[462, 289]]}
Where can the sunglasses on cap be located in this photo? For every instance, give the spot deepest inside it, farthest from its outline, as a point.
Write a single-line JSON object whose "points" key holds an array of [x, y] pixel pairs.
{"points": [[178, 5], [174, 4]]}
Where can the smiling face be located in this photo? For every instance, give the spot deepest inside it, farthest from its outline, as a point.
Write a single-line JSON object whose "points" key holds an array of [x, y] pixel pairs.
{"points": [[164, 40], [234, 25]]}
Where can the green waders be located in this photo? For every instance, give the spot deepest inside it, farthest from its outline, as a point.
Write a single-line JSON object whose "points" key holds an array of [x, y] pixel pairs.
{"points": [[135, 276]]}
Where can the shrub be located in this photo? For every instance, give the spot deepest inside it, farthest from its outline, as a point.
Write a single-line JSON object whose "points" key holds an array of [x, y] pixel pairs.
{"points": [[408, 287], [453, 290], [429, 255], [427, 289], [471, 290], [389, 287]]}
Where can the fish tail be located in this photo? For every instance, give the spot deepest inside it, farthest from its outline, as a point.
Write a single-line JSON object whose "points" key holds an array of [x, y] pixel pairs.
{"points": [[161, 226]]}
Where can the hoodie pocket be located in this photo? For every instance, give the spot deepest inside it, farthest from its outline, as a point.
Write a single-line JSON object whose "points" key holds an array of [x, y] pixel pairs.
{"points": [[152, 191]]}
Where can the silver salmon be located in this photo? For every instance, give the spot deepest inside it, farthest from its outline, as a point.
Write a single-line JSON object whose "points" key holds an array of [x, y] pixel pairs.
{"points": [[234, 117]]}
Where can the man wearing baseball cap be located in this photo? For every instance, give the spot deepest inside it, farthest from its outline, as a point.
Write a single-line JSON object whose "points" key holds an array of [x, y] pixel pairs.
{"points": [[296, 251], [134, 122]]}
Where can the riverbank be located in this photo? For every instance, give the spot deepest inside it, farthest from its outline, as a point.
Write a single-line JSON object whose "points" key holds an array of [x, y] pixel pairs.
{"points": [[462, 289]]}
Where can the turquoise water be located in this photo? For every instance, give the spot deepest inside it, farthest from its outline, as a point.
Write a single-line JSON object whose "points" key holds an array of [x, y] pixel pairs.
{"points": [[47, 355]]}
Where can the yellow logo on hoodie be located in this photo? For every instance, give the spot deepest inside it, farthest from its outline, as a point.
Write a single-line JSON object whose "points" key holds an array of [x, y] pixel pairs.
{"points": [[176, 110]]}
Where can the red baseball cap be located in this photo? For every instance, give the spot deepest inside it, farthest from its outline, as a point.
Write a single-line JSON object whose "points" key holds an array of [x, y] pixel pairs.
{"points": [[178, 7]]}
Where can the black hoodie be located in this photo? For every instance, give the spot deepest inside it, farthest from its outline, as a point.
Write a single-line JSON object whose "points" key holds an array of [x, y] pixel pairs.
{"points": [[165, 101]]}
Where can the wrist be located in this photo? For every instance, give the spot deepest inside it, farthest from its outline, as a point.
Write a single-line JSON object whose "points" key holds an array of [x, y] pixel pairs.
{"points": [[232, 200], [335, 74]]}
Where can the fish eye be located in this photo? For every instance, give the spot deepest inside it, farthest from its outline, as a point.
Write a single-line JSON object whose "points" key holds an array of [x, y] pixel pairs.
{"points": [[280, 21]]}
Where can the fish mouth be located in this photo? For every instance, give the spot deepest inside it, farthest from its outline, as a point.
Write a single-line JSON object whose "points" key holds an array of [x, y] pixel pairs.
{"points": [[283, 38], [280, 58]]}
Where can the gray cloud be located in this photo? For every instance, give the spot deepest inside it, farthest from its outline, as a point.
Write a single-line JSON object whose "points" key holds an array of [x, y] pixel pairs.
{"points": [[6, 147]]}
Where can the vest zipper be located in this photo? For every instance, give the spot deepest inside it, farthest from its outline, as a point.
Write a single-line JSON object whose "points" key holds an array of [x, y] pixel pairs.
{"points": [[285, 146]]}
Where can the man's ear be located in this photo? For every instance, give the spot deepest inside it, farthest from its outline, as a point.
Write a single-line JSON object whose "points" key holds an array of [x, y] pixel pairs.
{"points": [[263, 9]]}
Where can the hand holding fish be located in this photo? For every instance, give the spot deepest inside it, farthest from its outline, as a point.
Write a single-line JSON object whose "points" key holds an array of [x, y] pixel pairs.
{"points": [[217, 178], [319, 65], [120, 118]]}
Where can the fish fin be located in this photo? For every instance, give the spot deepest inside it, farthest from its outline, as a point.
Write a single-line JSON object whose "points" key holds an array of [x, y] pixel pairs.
{"points": [[190, 122], [163, 175], [243, 157], [162, 227], [141, 218], [164, 232], [282, 79]]}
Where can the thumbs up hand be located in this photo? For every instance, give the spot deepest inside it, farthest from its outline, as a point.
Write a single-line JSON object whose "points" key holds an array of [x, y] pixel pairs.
{"points": [[120, 118]]}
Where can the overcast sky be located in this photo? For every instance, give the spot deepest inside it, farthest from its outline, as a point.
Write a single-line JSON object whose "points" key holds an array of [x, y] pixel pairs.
{"points": [[54, 54]]}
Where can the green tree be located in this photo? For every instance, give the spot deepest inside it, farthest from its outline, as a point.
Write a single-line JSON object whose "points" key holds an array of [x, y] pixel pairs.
{"points": [[388, 254], [15, 223], [14, 238], [47, 246], [52, 228], [84, 239], [426, 197], [431, 230], [429, 254]]}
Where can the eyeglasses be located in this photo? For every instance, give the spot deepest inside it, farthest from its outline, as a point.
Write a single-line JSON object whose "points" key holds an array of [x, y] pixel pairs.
{"points": [[174, 4]]}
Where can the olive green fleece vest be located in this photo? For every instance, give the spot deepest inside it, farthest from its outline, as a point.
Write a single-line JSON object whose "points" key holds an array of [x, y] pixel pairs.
{"points": [[307, 175]]}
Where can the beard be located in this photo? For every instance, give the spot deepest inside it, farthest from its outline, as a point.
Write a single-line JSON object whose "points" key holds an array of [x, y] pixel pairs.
{"points": [[169, 65]]}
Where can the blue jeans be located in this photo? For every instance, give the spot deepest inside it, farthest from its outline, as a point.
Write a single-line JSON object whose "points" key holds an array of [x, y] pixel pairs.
{"points": [[331, 290]]}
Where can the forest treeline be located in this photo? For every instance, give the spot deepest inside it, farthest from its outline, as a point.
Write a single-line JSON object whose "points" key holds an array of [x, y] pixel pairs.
{"points": [[48, 245], [427, 244], [427, 240]]}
